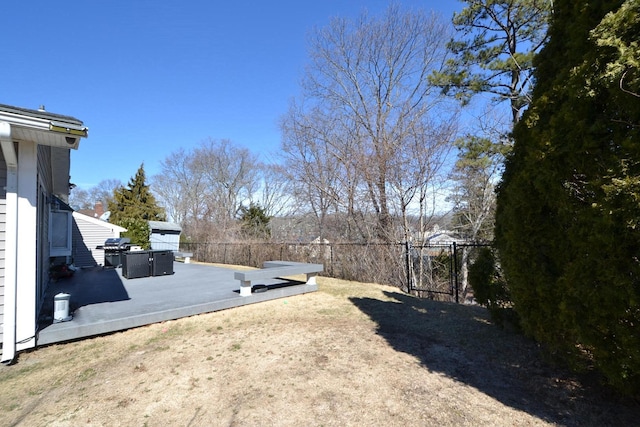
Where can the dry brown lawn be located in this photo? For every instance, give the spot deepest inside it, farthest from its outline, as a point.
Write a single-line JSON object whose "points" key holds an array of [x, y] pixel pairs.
{"points": [[351, 354]]}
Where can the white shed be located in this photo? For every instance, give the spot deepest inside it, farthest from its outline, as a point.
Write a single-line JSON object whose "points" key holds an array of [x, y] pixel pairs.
{"points": [[88, 234], [164, 235]]}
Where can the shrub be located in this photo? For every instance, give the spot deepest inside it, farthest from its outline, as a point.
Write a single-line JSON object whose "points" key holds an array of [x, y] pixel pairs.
{"points": [[567, 228], [490, 289]]}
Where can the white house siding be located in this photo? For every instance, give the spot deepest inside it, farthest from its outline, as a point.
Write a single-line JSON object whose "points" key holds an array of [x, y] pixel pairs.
{"points": [[3, 213], [88, 234], [85, 242]]}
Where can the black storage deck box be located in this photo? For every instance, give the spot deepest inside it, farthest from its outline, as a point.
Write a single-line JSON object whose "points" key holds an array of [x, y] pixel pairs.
{"points": [[161, 262], [136, 264]]}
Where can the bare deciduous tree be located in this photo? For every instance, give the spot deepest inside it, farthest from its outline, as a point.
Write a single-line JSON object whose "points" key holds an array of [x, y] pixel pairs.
{"points": [[276, 191], [310, 162], [204, 189], [230, 177], [87, 198], [371, 115], [178, 188], [79, 198]]}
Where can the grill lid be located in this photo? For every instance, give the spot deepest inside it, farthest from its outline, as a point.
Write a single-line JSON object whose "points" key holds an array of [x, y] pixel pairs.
{"points": [[117, 243]]}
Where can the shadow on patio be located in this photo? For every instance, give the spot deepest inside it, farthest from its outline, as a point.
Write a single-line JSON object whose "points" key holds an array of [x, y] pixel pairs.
{"points": [[102, 301], [87, 286]]}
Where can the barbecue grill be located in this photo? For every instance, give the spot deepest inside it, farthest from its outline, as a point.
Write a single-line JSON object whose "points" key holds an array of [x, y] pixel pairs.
{"points": [[113, 249]]}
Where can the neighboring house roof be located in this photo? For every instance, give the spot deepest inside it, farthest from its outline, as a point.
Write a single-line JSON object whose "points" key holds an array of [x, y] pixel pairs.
{"points": [[443, 238], [104, 224], [96, 212], [88, 212]]}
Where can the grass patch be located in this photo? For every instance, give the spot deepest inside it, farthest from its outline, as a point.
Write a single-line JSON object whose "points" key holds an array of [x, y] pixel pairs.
{"points": [[350, 354]]}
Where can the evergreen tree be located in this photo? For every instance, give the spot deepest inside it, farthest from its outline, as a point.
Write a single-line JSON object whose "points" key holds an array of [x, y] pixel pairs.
{"points": [[494, 50], [255, 221], [568, 206], [474, 176], [133, 207], [473, 195]]}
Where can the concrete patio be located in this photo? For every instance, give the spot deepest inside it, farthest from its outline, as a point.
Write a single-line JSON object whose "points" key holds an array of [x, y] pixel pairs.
{"points": [[103, 301]]}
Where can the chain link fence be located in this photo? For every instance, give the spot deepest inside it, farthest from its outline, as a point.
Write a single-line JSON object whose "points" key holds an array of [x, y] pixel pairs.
{"points": [[427, 271]]}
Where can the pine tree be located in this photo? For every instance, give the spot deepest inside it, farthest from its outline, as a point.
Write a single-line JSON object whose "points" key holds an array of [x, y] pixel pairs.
{"points": [[494, 49], [255, 221], [473, 195], [133, 206], [568, 206]]}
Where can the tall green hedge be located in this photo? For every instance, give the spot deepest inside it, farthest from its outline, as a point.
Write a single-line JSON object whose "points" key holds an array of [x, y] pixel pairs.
{"points": [[568, 214]]}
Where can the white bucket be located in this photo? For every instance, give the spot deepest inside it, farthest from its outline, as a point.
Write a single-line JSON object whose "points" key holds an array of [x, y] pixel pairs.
{"points": [[61, 308]]}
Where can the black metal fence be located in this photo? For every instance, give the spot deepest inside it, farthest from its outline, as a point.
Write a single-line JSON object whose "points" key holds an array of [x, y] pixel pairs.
{"points": [[428, 271]]}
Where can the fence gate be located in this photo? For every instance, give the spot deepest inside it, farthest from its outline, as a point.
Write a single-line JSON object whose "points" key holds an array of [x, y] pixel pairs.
{"points": [[430, 271], [440, 270]]}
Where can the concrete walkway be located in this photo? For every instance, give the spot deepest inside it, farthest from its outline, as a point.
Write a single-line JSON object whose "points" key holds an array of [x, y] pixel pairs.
{"points": [[103, 301]]}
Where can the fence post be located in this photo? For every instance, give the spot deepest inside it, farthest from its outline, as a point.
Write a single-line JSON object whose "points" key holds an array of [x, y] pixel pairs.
{"points": [[331, 259], [455, 270], [408, 264]]}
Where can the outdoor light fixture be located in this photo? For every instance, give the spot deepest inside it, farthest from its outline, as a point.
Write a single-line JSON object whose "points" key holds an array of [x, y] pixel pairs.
{"points": [[68, 129]]}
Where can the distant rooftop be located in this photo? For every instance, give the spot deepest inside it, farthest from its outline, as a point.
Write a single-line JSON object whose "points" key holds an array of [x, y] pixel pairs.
{"points": [[164, 226]]}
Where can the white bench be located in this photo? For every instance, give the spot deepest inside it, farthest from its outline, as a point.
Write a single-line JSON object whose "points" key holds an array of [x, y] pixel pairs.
{"points": [[275, 269], [185, 255]]}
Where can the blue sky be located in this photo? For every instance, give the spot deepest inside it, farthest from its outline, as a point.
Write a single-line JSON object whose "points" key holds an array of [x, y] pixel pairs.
{"points": [[149, 77]]}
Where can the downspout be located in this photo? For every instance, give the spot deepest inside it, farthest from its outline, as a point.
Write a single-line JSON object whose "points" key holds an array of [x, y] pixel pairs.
{"points": [[11, 245]]}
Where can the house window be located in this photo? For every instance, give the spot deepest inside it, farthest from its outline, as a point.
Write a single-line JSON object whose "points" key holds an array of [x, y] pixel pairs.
{"points": [[60, 233]]}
